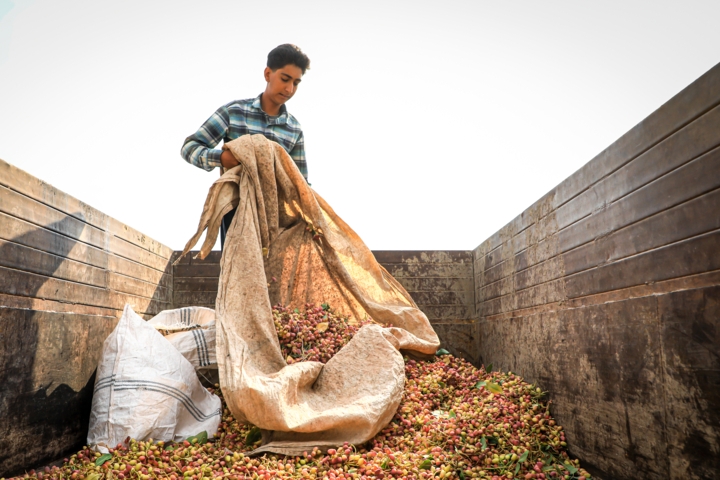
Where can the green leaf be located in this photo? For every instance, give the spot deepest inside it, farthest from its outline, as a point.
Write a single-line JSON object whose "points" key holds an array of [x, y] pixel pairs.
{"points": [[452, 414], [94, 476], [425, 465], [524, 456], [296, 311], [200, 438], [169, 447], [253, 436], [517, 468], [493, 440], [570, 468], [488, 369], [325, 306], [461, 475], [385, 463], [102, 459], [442, 352], [479, 384], [484, 443], [494, 387]]}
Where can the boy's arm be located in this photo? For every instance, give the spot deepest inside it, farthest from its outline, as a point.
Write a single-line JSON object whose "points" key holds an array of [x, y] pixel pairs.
{"points": [[198, 148], [298, 156]]}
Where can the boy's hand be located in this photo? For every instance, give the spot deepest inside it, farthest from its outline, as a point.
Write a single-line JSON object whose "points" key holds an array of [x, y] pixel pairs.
{"points": [[228, 159]]}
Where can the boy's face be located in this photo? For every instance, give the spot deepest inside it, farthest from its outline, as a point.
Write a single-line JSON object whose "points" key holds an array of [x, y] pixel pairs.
{"points": [[282, 83]]}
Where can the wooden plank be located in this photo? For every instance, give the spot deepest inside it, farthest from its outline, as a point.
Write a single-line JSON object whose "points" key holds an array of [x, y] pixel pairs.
{"points": [[30, 303], [176, 254], [19, 257], [194, 298], [495, 273], [690, 329], [28, 259], [692, 179], [195, 284], [213, 257], [422, 256], [544, 248], [138, 288], [211, 270], [494, 257], [684, 145], [508, 302], [429, 270], [695, 178], [16, 282], [22, 182], [692, 102], [689, 219], [447, 312], [440, 298], [20, 206], [680, 111], [128, 268], [24, 233], [548, 292], [688, 257], [183, 305], [701, 280], [455, 284], [42, 192], [137, 254], [551, 269], [130, 235], [495, 306]]}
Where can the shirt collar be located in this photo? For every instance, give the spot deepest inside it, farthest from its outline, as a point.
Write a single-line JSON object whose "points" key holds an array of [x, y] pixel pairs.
{"points": [[281, 118]]}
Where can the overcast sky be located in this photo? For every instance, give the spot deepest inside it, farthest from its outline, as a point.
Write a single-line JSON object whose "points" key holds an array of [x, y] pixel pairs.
{"points": [[428, 125]]}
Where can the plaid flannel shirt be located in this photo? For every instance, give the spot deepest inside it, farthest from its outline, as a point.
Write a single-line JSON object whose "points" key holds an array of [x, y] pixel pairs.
{"points": [[244, 117]]}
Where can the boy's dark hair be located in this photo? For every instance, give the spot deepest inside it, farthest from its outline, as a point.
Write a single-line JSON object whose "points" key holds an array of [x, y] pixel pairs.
{"points": [[287, 54]]}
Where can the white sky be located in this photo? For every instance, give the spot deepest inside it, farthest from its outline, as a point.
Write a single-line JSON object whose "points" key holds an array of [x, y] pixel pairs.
{"points": [[429, 125]]}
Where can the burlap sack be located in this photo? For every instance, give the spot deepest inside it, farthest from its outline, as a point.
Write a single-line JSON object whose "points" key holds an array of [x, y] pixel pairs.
{"points": [[284, 229]]}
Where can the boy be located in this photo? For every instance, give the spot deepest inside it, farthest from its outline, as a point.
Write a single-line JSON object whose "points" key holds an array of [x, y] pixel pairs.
{"points": [[265, 114]]}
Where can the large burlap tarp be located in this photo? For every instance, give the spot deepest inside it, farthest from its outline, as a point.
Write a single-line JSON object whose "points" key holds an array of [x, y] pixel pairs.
{"points": [[284, 229]]}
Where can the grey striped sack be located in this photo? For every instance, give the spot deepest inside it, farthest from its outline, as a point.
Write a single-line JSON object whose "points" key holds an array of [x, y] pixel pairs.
{"points": [[191, 330], [145, 388]]}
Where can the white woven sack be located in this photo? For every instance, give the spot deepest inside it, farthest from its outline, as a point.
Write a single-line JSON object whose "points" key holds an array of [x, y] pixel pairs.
{"points": [[194, 336], [145, 388]]}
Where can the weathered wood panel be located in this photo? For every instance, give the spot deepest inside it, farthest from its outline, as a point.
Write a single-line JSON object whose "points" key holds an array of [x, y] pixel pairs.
{"points": [[603, 377], [670, 226], [690, 334], [667, 184], [47, 373], [605, 293], [44, 193], [66, 272], [440, 282]]}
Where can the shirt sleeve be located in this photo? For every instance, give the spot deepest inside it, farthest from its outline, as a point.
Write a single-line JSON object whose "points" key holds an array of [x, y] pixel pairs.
{"points": [[298, 155], [198, 148]]}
